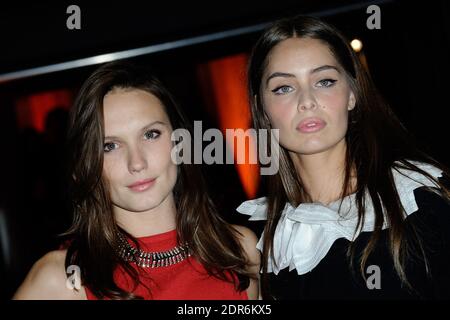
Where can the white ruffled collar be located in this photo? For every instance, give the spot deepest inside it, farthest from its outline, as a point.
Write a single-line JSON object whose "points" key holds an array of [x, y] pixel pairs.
{"points": [[305, 234]]}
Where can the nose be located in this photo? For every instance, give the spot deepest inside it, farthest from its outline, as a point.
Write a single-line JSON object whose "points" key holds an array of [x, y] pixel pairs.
{"points": [[136, 160], [306, 101]]}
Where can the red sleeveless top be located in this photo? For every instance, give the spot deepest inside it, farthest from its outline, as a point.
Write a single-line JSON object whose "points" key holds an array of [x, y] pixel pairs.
{"points": [[186, 280]]}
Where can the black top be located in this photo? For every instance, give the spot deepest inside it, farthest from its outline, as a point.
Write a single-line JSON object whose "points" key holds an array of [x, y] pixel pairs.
{"points": [[332, 278]]}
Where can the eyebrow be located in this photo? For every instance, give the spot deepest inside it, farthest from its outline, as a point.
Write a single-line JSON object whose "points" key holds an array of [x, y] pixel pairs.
{"points": [[142, 129], [290, 75], [325, 67]]}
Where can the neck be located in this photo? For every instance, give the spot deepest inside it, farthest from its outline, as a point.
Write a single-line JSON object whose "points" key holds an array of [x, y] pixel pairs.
{"points": [[154, 221], [322, 174]]}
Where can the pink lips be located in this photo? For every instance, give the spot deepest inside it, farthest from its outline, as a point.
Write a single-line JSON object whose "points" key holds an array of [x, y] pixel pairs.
{"points": [[142, 185], [309, 125]]}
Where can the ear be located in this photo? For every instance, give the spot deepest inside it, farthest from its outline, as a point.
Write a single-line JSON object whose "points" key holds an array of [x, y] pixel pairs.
{"points": [[351, 101]]}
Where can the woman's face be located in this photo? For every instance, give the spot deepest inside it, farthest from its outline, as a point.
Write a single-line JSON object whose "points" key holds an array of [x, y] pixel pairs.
{"points": [[137, 146], [306, 95]]}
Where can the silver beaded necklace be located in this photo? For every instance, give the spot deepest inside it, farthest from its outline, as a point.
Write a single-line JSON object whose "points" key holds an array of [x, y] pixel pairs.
{"points": [[146, 259]]}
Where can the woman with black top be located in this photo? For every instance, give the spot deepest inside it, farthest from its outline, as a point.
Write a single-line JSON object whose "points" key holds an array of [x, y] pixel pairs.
{"points": [[355, 211]]}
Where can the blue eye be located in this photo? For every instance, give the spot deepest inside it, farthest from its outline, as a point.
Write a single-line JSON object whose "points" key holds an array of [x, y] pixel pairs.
{"points": [[109, 146], [282, 90], [327, 83], [152, 134]]}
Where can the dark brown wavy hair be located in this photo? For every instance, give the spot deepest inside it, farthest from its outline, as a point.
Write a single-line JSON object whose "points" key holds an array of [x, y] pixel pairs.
{"points": [[376, 140], [93, 234]]}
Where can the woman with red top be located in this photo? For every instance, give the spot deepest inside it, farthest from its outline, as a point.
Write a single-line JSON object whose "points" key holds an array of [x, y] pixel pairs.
{"points": [[144, 226]]}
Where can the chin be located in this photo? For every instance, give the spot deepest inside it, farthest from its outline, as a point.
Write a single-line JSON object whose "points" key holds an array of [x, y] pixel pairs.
{"points": [[140, 206], [138, 209], [309, 149]]}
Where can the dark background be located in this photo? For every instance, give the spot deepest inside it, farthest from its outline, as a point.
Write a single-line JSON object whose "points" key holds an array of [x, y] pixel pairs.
{"points": [[408, 59]]}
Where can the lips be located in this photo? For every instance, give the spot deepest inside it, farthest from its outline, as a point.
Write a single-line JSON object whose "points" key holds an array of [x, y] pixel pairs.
{"points": [[141, 185], [309, 125]]}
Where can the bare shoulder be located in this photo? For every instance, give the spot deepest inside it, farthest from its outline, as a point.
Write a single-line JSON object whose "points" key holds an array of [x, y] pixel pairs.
{"points": [[47, 280], [248, 241], [247, 237]]}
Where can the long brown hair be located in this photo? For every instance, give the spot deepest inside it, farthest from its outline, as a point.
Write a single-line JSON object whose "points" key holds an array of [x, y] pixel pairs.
{"points": [[376, 142], [93, 234]]}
